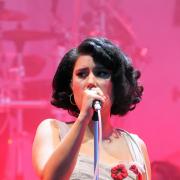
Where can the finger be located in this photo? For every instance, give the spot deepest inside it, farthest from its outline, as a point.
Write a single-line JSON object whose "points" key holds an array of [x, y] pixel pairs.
{"points": [[95, 95], [98, 91]]}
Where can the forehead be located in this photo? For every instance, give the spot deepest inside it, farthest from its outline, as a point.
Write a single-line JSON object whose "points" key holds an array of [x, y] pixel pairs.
{"points": [[86, 61]]}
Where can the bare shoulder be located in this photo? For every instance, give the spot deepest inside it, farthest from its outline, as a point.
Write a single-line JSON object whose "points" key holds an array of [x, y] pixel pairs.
{"points": [[47, 125], [45, 141], [47, 131]]}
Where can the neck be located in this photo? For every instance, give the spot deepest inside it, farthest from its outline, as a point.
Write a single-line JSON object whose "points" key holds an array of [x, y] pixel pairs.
{"points": [[107, 128]]}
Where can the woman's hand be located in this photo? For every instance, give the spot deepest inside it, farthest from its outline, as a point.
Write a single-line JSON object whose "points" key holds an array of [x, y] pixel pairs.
{"points": [[88, 97]]}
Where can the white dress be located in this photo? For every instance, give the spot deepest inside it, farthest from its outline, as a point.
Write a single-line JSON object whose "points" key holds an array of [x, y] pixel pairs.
{"points": [[84, 169]]}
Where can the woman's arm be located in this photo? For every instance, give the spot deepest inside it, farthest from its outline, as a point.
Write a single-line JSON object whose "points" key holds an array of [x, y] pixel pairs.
{"points": [[55, 159]]}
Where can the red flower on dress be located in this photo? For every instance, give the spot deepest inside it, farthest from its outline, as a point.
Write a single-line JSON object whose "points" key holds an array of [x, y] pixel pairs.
{"points": [[134, 169], [119, 172]]}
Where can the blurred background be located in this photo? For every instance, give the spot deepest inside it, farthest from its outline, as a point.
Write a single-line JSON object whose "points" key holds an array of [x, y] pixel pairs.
{"points": [[34, 35]]}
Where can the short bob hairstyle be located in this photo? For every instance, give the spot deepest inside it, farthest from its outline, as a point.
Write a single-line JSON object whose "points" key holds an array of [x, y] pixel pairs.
{"points": [[126, 90]]}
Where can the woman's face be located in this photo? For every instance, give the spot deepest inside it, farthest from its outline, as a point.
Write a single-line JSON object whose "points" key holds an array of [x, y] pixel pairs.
{"points": [[87, 74]]}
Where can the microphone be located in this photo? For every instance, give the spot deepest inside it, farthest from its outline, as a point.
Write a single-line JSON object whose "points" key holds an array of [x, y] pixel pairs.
{"points": [[96, 105]]}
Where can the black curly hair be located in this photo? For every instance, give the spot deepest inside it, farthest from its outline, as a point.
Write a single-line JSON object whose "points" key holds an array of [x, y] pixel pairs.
{"points": [[126, 90]]}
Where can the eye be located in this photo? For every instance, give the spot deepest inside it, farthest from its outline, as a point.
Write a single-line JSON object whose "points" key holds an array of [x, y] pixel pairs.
{"points": [[102, 73], [82, 74]]}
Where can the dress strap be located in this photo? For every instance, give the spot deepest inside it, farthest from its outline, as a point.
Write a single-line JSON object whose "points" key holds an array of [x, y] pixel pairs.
{"points": [[135, 149]]}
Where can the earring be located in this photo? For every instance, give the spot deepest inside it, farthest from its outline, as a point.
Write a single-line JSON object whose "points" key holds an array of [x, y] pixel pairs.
{"points": [[71, 101]]}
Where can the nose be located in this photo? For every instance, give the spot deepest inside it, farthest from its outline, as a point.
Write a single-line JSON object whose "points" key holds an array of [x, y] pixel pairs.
{"points": [[91, 81]]}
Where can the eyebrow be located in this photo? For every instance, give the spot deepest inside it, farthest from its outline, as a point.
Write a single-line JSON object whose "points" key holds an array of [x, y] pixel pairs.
{"points": [[101, 67], [98, 66], [81, 69]]}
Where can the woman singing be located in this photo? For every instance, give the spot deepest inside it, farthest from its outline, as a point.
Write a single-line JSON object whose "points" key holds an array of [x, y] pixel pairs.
{"points": [[96, 70]]}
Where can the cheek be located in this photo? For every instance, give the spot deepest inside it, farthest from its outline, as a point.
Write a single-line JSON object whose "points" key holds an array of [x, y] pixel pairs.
{"points": [[76, 86], [108, 91], [77, 91]]}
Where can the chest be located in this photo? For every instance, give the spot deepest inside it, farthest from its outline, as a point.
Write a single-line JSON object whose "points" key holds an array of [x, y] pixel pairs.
{"points": [[111, 152]]}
